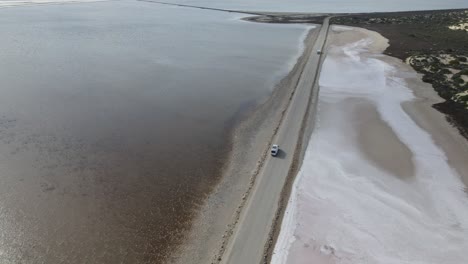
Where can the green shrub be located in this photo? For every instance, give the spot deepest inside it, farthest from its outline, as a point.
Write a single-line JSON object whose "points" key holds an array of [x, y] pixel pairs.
{"points": [[454, 62], [464, 72], [427, 78], [444, 71], [463, 98], [458, 80]]}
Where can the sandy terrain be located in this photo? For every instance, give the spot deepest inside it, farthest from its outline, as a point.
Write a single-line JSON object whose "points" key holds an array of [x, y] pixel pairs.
{"points": [[383, 170]]}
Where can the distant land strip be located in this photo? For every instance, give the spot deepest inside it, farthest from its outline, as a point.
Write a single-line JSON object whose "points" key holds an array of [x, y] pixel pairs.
{"points": [[206, 8]]}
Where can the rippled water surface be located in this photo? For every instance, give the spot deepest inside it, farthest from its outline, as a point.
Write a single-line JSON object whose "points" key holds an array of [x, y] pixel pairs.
{"points": [[114, 121]]}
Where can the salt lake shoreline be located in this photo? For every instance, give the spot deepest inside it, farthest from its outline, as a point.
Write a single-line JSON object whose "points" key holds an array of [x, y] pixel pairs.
{"points": [[420, 111], [251, 138], [444, 135]]}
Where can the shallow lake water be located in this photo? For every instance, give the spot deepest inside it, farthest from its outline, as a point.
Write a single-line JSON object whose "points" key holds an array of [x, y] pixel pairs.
{"points": [[114, 122], [115, 117]]}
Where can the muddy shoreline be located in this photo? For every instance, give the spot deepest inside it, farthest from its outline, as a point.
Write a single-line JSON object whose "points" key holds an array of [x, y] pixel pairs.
{"points": [[250, 141]]}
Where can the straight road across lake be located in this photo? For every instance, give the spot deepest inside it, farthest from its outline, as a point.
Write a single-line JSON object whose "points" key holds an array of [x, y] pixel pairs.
{"points": [[251, 234]]}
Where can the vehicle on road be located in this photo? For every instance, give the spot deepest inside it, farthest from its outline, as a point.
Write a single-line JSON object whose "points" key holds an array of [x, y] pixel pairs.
{"points": [[319, 52], [274, 150]]}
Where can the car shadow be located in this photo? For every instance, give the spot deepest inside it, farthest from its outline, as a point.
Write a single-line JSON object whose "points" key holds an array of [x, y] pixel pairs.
{"points": [[281, 154]]}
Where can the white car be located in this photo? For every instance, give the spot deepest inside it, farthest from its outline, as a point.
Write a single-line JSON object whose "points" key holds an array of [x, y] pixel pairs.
{"points": [[319, 52], [274, 150]]}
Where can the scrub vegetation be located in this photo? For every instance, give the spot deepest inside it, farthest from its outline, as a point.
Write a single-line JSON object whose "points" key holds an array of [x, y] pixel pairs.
{"points": [[435, 44]]}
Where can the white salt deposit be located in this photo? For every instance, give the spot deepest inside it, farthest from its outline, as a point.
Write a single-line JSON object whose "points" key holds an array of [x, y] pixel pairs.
{"points": [[345, 209], [461, 26]]}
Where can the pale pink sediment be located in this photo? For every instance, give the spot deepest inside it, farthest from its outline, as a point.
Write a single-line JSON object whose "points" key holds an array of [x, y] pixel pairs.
{"points": [[346, 207]]}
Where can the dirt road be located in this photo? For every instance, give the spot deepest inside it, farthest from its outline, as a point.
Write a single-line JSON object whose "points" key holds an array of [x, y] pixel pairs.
{"points": [[251, 234]]}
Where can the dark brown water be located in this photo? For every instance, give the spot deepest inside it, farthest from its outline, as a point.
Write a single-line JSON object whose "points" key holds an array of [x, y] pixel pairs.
{"points": [[114, 123]]}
